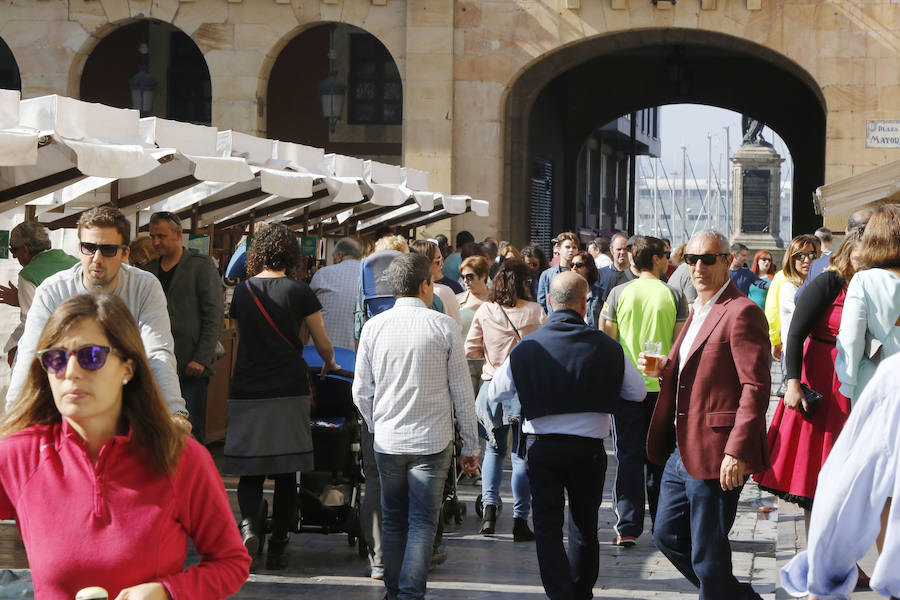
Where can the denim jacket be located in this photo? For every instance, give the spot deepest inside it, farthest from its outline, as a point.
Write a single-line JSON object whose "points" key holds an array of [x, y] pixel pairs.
{"points": [[492, 416]]}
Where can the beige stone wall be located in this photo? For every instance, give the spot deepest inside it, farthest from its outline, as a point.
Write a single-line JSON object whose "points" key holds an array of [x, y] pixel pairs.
{"points": [[459, 58], [851, 49]]}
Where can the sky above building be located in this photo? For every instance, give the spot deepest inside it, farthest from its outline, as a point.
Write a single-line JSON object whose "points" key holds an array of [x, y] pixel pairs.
{"points": [[689, 125]]}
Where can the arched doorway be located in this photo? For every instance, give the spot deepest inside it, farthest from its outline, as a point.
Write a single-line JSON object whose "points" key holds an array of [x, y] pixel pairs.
{"points": [[371, 122], [9, 70], [558, 101], [182, 85]]}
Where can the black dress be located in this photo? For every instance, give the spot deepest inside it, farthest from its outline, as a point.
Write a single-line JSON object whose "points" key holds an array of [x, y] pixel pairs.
{"points": [[268, 426]]}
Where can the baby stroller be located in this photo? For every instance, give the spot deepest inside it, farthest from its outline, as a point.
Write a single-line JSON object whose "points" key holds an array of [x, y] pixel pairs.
{"points": [[328, 497]]}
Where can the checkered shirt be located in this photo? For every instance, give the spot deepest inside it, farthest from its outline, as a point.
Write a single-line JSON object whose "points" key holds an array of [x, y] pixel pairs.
{"points": [[336, 288], [411, 376]]}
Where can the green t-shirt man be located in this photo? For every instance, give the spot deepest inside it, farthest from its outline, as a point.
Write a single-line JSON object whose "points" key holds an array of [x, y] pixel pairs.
{"points": [[645, 310]]}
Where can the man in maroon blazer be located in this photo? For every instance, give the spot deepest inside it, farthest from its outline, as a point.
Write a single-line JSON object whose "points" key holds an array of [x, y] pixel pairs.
{"points": [[709, 426]]}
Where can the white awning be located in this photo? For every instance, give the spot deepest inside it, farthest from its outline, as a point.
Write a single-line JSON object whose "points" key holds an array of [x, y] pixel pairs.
{"points": [[64, 156]]}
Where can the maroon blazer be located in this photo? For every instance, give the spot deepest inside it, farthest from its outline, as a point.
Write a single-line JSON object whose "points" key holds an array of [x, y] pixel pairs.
{"points": [[722, 394]]}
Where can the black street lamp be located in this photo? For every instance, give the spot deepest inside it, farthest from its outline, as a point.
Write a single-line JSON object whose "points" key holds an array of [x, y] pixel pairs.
{"points": [[331, 90]]}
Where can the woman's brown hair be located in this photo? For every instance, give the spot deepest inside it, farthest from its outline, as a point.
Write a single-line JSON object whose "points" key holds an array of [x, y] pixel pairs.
{"points": [[881, 238], [477, 263], [511, 283], [801, 241], [275, 247], [154, 433], [840, 258]]}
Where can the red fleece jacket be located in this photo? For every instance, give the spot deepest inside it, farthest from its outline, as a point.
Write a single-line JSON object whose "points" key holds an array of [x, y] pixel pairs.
{"points": [[118, 523]]}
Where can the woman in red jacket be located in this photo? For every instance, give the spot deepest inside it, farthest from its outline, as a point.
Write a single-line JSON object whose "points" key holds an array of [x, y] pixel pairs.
{"points": [[103, 486]]}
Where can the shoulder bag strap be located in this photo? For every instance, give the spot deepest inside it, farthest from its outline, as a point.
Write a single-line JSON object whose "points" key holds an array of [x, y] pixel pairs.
{"points": [[266, 314], [508, 320]]}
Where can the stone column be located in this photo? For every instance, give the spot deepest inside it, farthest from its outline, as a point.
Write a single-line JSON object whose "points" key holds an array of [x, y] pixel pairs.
{"points": [[428, 91], [756, 216]]}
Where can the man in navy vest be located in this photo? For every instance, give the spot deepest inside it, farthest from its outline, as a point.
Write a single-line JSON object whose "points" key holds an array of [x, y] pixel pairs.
{"points": [[568, 378]]}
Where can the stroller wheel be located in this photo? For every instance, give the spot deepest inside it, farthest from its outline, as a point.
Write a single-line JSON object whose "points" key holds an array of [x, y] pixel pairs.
{"points": [[461, 511], [362, 549], [479, 507], [351, 539], [447, 511]]}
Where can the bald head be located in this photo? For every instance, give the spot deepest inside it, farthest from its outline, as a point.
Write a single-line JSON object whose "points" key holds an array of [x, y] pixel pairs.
{"points": [[569, 290], [859, 219]]}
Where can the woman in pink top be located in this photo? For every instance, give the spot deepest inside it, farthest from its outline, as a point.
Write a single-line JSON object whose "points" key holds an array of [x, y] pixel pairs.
{"points": [[497, 327], [103, 486]]}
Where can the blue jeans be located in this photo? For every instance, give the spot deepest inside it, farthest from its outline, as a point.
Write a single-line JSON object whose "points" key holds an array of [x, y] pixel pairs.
{"points": [[492, 473], [560, 465], [693, 519], [411, 490], [193, 390]]}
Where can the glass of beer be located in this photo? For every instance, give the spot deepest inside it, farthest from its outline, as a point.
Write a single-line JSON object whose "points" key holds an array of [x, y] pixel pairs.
{"points": [[652, 355]]}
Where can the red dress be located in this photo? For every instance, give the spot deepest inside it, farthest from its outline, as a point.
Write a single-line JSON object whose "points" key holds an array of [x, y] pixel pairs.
{"points": [[798, 446]]}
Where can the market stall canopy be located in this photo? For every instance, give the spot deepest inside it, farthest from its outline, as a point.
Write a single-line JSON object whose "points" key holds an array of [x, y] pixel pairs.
{"points": [[63, 156], [875, 186]]}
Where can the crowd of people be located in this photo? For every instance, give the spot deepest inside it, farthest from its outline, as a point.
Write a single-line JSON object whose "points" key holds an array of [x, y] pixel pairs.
{"points": [[467, 354]]}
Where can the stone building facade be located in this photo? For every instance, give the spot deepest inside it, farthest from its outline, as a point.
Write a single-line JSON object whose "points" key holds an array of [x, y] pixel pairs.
{"points": [[473, 72]]}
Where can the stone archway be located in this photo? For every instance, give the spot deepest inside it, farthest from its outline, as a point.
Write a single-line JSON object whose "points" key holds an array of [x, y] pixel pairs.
{"points": [[586, 84], [183, 89]]}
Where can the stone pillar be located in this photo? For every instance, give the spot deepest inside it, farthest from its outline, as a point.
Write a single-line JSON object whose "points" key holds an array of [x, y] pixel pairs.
{"points": [[756, 215], [428, 91]]}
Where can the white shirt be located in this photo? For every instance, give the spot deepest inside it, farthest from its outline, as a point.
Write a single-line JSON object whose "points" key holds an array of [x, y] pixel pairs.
{"points": [[593, 425], [701, 311], [861, 473], [411, 376], [603, 261], [451, 304]]}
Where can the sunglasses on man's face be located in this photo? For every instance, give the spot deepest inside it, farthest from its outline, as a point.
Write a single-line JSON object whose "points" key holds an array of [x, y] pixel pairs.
{"points": [[90, 358], [706, 259], [107, 250]]}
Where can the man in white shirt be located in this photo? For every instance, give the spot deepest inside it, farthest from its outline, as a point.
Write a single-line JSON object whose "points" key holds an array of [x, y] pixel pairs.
{"points": [[566, 403], [411, 377]]}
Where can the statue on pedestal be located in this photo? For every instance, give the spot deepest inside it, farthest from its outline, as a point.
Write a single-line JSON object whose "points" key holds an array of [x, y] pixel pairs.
{"points": [[752, 130]]}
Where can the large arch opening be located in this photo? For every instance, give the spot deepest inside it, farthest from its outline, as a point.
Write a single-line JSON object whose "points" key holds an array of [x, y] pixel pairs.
{"points": [[371, 123], [9, 69], [181, 87], [562, 99]]}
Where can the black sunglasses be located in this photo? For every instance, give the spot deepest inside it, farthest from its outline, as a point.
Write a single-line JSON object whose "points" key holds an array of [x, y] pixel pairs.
{"points": [[107, 250], [706, 259], [90, 358], [802, 255], [578, 265], [469, 276]]}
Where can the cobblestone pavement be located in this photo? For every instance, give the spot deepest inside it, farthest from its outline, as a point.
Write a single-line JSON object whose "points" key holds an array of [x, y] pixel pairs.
{"points": [[765, 535]]}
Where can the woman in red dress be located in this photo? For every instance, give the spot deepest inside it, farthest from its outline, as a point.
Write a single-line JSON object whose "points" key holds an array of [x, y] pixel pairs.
{"points": [[799, 438]]}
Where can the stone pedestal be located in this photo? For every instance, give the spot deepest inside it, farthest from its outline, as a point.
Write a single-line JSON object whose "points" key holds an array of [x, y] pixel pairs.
{"points": [[757, 196]]}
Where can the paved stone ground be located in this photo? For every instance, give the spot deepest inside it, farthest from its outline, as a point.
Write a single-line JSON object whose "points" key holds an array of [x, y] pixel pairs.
{"points": [[764, 537]]}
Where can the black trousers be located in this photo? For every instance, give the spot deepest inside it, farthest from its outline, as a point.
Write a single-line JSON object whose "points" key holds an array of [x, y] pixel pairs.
{"points": [[635, 472], [558, 465]]}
